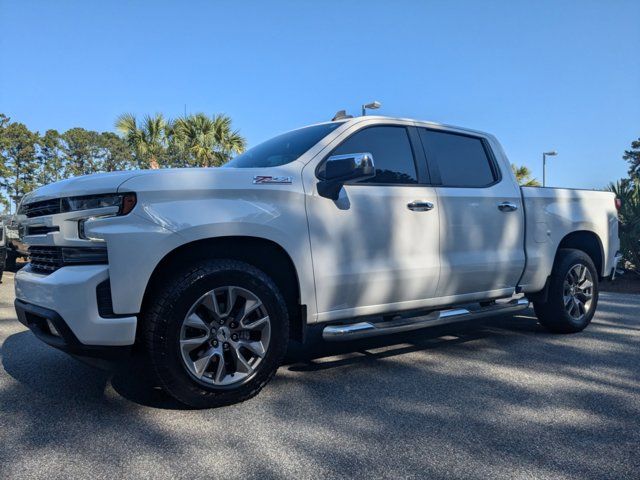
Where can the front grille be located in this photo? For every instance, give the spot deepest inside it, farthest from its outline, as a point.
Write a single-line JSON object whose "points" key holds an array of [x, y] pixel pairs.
{"points": [[45, 259], [49, 259], [45, 207], [41, 230]]}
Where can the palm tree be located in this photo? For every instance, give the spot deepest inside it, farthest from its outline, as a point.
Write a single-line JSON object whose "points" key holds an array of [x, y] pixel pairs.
{"points": [[207, 141], [229, 141], [147, 140], [524, 176]]}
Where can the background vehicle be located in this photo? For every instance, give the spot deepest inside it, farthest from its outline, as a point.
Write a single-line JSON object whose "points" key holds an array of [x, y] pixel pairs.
{"points": [[15, 247], [369, 226]]}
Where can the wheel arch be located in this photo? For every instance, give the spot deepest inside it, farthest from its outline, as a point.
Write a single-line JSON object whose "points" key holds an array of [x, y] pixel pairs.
{"points": [[587, 241], [267, 255]]}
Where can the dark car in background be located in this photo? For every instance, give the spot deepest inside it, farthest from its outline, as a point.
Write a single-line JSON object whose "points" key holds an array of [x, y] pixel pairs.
{"points": [[12, 247]]}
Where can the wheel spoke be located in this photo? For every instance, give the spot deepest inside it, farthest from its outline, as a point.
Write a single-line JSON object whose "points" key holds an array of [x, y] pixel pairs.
{"points": [[249, 306], [202, 363], [231, 300], [583, 273], [242, 366], [568, 299], [259, 323], [257, 348], [584, 297], [586, 283], [221, 370], [210, 302], [194, 321], [190, 344]]}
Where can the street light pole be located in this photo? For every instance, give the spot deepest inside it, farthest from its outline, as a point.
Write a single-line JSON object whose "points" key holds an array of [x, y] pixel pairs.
{"points": [[552, 153], [371, 106]]}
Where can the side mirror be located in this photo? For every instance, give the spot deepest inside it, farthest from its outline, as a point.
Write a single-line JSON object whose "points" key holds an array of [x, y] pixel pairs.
{"points": [[339, 169]]}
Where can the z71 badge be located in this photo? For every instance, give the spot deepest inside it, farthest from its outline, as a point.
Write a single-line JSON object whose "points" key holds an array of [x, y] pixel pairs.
{"points": [[272, 180]]}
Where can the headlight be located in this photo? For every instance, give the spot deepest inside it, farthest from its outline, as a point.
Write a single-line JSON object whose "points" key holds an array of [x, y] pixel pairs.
{"points": [[125, 202]]}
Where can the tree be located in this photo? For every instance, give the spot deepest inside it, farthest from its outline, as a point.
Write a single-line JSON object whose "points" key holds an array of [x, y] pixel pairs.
{"points": [[633, 157], [115, 153], [147, 140], [208, 142], [82, 151], [4, 121], [49, 154], [19, 167], [524, 176]]}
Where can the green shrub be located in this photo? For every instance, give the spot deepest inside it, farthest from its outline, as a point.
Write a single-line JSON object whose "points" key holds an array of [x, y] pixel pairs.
{"points": [[628, 191]]}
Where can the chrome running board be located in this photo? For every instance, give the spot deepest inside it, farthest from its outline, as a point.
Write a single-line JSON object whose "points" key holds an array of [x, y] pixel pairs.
{"points": [[353, 331]]}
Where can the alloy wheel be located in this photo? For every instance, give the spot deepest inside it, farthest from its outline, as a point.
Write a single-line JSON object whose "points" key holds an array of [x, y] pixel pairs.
{"points": [[225, 336], [578, 291]]}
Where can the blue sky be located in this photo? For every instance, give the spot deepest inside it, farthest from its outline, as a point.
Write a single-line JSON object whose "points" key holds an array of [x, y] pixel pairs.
{"points": [[539, 75]]}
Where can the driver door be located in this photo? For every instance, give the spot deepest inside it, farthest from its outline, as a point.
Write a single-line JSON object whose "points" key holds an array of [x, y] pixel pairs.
{"points": [[376, 248]]}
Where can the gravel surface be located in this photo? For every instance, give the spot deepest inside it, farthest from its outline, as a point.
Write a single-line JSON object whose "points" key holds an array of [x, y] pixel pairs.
{"points": [[497, 399]]}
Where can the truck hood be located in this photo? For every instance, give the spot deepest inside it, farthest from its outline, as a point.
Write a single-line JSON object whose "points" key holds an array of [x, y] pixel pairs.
{"points": [[77, 186], [162, 179]]}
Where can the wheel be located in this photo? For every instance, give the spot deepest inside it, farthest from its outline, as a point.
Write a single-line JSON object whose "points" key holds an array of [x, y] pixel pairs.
{"points": [[217, 333], [573, 293]]}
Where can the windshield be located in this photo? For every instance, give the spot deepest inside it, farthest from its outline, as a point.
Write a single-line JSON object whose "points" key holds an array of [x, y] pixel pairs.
{"points": [[284, 148]]}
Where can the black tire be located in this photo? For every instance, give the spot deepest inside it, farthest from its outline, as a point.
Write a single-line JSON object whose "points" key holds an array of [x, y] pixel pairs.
{"points": [[552, 314], [163, 320]]}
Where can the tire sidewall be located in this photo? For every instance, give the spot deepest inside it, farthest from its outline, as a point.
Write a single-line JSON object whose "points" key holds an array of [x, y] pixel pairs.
{"points": [[166, 354], [575, 257]]}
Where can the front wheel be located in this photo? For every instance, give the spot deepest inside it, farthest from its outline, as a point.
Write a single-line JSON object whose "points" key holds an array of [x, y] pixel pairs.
{"points": [[217, 333], [573, 293]]}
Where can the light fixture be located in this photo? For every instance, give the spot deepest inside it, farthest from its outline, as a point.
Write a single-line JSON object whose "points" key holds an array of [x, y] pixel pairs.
{"points": [[370, 106], [551, 153]]}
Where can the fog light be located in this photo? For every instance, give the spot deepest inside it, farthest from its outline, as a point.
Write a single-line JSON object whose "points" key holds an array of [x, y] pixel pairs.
{"points": [[52, 328]]}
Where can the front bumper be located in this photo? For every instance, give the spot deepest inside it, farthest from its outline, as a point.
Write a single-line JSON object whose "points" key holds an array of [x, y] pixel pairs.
{"points": [[51, 328], [70, 293]]}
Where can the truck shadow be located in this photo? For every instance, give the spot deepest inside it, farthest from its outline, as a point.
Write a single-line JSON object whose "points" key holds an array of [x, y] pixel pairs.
{"points": [[495, 384], [57, 376]]}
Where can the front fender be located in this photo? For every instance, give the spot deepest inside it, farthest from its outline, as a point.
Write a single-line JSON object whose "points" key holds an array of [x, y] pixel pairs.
{"points": [[138, 242]]}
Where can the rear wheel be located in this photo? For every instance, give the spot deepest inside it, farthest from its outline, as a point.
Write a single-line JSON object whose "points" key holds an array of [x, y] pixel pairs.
{"points": [[217, 333], [573, 293]]}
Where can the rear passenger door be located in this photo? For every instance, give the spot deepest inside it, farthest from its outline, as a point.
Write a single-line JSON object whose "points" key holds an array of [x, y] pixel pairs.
{"points": [[481, 242], [374, 249]]}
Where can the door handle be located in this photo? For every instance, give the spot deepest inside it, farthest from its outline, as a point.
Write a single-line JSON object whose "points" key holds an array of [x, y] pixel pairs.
{"points": [[507, 207], [420, 206]]}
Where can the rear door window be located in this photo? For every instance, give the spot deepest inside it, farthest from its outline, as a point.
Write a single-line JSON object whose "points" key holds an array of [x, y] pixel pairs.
{"points": [[462, 160]]}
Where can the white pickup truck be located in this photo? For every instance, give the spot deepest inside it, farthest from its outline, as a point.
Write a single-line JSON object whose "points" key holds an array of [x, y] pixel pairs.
{"points": [[367, 226]]}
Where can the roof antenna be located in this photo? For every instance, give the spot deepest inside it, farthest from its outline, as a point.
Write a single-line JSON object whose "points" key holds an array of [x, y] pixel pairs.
{"points": [[341, 115]]}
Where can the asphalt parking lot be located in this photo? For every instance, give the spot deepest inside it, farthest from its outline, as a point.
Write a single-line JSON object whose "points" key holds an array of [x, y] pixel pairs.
{"points": [[497, 399]]}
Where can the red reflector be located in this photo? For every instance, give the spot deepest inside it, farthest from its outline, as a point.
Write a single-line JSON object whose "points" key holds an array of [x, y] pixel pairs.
{"points": [[618, 204]]}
